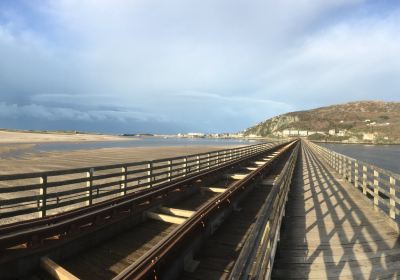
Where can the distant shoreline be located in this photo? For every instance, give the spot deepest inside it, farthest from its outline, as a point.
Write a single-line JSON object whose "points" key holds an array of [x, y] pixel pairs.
{"points": [[354, 143]]}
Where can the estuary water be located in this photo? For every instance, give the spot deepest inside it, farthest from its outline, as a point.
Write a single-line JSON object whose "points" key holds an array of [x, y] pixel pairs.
{"points": [[141, 142], [384, 156]]}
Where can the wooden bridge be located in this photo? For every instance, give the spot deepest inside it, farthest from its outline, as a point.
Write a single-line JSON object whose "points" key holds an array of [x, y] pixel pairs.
{"points": [[331, 231], [284, 210]]}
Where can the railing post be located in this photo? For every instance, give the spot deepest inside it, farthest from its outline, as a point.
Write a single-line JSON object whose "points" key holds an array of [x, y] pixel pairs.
{"points": [[392, 202], [124, 171], [340, 165], [349, 167], [43, 194], [365, 178], [150, 174], [333, 161], [344, 171], [356, 174], [169, 170], [376, 188], [217, 159], [198, 163], [208, 160], [185, 171], [89, 184]]}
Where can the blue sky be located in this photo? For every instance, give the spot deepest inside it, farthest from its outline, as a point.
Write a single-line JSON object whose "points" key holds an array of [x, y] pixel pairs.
{"points": [[180, 66]]}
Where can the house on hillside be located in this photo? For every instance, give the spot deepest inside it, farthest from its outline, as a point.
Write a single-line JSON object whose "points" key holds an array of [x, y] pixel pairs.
{"points": [[369, 136], [341, 133]]}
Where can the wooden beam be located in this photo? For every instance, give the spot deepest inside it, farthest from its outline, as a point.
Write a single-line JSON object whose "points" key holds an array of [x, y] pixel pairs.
{"points": [[165, 218], [250, 168], [177, 212], [216, 190], [236, 176], [55, 270]]}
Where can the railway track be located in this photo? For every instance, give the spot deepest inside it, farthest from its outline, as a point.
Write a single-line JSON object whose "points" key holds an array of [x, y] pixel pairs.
{"points": [[153, 234]]}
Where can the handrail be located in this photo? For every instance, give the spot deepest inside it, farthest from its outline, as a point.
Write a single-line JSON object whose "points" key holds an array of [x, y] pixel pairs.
{"points": [[381, 187], [69, 189]]}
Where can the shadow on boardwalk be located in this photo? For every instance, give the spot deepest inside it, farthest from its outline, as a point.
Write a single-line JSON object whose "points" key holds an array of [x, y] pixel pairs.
{"points": [[330, 232]]}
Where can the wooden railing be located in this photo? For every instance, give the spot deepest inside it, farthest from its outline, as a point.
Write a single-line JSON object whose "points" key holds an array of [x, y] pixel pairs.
{"points": [[257, 256], [380, 186], [47, 193]]}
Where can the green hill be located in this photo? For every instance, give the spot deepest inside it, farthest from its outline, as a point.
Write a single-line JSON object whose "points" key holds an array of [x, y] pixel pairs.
{"points": [[367, 121]]}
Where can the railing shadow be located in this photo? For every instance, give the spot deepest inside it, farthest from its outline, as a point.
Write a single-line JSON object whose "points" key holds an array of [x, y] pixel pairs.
{"points": [[346, 238]]}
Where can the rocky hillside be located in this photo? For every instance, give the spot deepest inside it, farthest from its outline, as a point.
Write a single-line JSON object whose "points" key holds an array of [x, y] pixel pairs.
{"points": [[374, 121]]}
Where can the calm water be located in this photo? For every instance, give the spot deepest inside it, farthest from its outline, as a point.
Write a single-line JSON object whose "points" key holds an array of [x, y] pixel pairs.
{"points": [[384, 156], [140, 142]]}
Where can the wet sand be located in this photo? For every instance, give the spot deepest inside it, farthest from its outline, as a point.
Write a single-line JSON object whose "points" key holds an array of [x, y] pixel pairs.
{"points": [[45, 161]]}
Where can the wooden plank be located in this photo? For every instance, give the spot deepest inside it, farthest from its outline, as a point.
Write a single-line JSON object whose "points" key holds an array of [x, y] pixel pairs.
{"points": [[177, 212], [165, 218], [236, 176], [55, 270], [212, 189], [330, 230]]}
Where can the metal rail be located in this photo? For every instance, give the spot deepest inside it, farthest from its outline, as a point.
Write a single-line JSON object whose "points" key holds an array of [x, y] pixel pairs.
{"points": [[155, 260], [381, 187], [42, 194], [257, 256]]}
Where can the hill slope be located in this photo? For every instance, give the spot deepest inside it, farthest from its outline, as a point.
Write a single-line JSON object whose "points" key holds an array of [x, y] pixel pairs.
{"points": [[374, 121]]}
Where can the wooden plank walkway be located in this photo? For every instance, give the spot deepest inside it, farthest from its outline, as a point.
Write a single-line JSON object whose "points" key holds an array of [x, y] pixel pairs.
{"points": [[330, 232]]}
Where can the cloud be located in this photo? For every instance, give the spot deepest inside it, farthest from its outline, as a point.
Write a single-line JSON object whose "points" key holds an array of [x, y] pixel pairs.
{"points": [[198, 65], [64, 114], [348, 61]]}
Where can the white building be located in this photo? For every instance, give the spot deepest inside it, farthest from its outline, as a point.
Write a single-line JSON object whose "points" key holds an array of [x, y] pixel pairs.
{"points": [[294, 133], [341, 133], [369, 136], [195, 134], [286, 132]]}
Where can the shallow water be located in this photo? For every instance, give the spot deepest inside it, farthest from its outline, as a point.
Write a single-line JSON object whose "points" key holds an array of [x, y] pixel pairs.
{"points": [[384, 156], [140, 142]]}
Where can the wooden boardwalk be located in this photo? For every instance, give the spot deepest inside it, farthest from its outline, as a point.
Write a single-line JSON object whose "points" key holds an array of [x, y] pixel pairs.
{"points": [[331, 232]]}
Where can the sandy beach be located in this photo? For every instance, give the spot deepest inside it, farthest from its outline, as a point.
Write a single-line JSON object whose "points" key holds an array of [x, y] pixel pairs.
{"points": [[14, 137]]}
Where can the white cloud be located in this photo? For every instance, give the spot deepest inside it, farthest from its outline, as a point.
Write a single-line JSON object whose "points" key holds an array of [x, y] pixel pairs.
{"points": [[350, 60]]}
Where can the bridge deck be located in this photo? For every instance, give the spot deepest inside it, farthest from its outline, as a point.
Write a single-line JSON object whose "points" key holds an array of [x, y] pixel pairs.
{"points": [[331, 232]]}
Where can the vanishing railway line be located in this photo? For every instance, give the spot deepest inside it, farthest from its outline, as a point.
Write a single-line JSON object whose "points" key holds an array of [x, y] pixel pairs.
{"points": [[151, 232]]}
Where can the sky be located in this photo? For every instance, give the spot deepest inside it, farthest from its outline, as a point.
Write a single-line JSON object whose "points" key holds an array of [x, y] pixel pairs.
{"points": [[159, 66]]}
